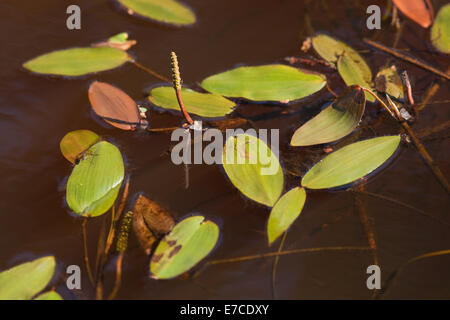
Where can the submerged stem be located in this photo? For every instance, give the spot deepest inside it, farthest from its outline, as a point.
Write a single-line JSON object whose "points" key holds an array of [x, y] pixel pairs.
{"points": [[287, 252], [118, 279], [86, 255], [388, 283], [275, 265], [150, 71]]}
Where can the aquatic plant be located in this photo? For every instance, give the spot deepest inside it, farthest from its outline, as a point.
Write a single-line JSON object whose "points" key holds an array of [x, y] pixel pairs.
{"points": [[175, 248]]}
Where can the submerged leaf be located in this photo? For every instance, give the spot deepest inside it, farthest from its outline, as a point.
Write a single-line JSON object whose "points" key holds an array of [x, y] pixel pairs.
{"points": [[203, 104], [115, 106], [77, 61], [150, 221], [75, 143], [334, 122], [419, 11], [388, 80], [24, 281], [188, 243], [350, 163], [49, 295], [166, 11], [265, 83], [284, 213], [253, 168], [440, 32], [94, 183]]}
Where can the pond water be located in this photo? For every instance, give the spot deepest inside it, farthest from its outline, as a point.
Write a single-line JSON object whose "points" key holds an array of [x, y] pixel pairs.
{"points": [[36, 112]]}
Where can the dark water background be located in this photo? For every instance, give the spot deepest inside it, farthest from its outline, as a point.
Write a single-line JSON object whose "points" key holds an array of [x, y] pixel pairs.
{"points": [[36, 112]]}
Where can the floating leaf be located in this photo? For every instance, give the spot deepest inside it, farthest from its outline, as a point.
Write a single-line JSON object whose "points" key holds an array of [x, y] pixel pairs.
{"points": [[166, 11], [284, 213], [352, 72], [388, 80], [188, 243], [77, 61], [334, 122], [350, 163], [94, 183], [253, 168], [440, 32], [76, 142], [419, 11], [24, 281], [115, 106], [331, 49], [265, 83], [203, 104], [49, 295], [150, 221], [119, 41], [119, 38], [351, 66]]}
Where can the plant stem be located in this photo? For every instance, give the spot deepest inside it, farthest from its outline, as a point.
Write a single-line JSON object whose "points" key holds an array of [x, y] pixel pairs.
{"points": [[110, 238], [381, 102], [382, 197], [396, 53], [86, 255], [162, 129], [275, 265], [118, 279], [150, 71], [425, 155], [368, 228], [287, 252], [388, 283], [407, 85]]}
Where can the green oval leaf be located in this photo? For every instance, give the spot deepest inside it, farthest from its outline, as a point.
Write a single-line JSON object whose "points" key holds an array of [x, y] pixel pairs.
{"points": [[331, 49], [49, 295], [188, 243], [440, 32], [253, 168], [94, 183], [353, 68], [77, 61], [265, 83], [334, 122], [76, 142], [24, 281], [284, 213], [388, 80], [166, 11], [350, 163], [353, 72], [203, 104]]}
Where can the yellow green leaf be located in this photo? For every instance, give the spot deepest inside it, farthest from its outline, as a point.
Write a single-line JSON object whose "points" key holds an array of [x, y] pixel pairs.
{"points": [[284, 213], [190, 241], [350, 163]]}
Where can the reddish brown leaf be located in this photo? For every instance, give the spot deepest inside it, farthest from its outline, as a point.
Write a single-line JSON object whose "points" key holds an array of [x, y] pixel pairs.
{"points": [[157, 218], [420, 11], [114, 106], [150, 222]]}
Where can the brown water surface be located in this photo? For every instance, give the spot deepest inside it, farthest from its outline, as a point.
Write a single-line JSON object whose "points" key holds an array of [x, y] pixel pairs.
{"points": [[36, 112]]}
